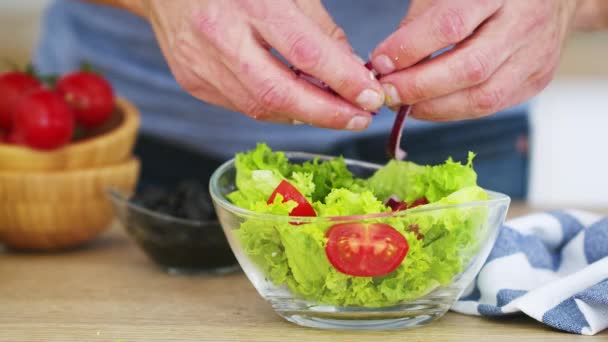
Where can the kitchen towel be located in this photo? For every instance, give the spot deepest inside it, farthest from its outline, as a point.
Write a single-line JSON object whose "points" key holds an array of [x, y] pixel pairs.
{"points": [[550, 266]]}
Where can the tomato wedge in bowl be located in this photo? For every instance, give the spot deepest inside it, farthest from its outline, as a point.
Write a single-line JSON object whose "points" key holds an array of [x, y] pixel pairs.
{"points": [[290, 193], [382, 270], [365, 250]]}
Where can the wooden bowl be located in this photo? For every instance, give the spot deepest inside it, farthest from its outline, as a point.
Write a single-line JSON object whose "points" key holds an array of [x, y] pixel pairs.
{"points": [[107, 145], [50, 210]]}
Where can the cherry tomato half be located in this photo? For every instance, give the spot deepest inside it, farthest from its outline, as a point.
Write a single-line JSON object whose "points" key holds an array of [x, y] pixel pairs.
{"points": [[289, 192], [365, 250]]}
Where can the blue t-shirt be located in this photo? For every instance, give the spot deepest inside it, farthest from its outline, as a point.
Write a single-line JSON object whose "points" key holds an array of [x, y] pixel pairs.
{"points": [[123, 47]]}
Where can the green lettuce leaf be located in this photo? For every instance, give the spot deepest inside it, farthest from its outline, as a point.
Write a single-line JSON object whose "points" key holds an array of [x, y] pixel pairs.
{"points": [[398, 178], [259, 171], [410, 181], [328, 175], [343, 202]]}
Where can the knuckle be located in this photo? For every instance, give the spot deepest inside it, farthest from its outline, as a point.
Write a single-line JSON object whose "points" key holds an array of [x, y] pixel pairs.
{"points": [[345, 85], [186, 80], [255, 8], [451, 27], [255, 110], [476, 67], [337, 33], [486, 100], [543, 81], [540, 17], [422, 111], [272, 96], [414, 91], [206, 24], [303, 51]]}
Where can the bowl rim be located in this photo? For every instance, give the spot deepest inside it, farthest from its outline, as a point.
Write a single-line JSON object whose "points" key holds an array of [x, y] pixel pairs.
{"points": [[117, 196], [496, 198]]}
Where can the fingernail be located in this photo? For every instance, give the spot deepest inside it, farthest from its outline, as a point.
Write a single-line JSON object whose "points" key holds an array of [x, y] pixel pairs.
{"points": [[383, 64], [370, 100], [358, 123], [392, 98]]}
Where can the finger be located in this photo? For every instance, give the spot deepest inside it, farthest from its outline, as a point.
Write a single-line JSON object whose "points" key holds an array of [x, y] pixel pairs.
{"points": [[240, 97], [501, 91], [443, 24], [470, 63], [274, 90], [315, 10], [416, 8], [298, 39]]}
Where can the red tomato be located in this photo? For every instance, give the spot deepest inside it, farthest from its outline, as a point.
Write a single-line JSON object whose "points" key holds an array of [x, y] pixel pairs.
{"points": [[90, 96], [289, 192], [365, 250], [12, 138], [42, 120], [13, 86]]}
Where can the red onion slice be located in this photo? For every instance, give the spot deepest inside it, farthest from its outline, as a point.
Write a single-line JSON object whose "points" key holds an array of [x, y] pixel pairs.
{"points": [[393, 202], [394, 142]]}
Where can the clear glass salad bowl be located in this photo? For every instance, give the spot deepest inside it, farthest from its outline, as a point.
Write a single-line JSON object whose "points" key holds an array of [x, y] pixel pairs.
{"points": [[285, 258]]}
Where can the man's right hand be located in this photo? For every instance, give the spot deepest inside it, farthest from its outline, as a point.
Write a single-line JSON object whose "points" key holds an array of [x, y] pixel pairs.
{"points": [[220, 52]]}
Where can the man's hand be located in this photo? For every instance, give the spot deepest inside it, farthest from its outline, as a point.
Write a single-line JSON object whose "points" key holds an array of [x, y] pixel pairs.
{"points": [[219, 51], [504, 52]]}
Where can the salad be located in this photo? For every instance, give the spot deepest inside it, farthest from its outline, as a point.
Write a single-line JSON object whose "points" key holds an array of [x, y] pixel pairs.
{"points": [[401, 253]]}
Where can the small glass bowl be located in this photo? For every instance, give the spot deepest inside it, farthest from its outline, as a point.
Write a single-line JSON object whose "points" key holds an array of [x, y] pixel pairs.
{"points": [[179, 246], [288, 266]]}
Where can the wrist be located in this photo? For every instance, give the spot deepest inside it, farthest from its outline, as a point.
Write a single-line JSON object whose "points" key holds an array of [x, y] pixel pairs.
{"points": [[591, 15]]}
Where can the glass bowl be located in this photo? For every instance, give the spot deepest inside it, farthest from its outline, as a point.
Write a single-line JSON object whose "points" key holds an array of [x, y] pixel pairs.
{"points": [[284, 258], [179, 246]]}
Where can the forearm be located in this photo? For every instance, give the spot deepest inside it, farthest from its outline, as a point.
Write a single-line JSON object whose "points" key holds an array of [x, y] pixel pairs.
{"points": [[133, 6], [592, 15]]}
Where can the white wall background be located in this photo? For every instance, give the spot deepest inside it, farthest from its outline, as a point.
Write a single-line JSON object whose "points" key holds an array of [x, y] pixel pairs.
{"points": [[569, 145], [19, 26]]}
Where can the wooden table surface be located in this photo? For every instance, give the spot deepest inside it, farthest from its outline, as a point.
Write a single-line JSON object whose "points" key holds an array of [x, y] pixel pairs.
{"points": [[109, 291]]}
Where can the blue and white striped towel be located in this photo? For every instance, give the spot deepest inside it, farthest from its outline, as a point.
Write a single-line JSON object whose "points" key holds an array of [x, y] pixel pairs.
{"points": [[551, 266]]}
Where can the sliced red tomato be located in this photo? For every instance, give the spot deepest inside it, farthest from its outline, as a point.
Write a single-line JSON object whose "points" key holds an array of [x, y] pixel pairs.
{"points": [[365, 250], [289, 192]]}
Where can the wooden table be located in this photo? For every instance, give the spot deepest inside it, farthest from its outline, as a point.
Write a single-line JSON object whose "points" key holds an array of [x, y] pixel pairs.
{"points": [[110, 292]]}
